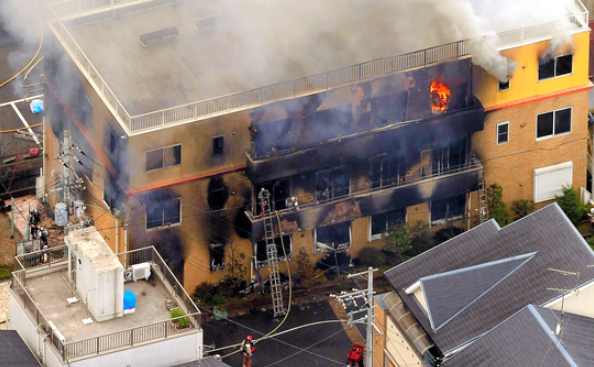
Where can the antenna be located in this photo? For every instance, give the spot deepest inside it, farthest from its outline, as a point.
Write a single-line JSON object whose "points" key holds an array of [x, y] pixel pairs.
{"points": [[559, 327]]}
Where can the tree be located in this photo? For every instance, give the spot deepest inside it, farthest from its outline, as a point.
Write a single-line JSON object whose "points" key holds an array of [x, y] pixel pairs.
{"points": [[523, 207], [421, 238], [370, 256], [398, 241], [236, 271], [497, 208], [570, 203]]}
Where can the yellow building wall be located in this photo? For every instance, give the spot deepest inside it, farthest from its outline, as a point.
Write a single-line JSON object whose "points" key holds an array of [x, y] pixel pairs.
{"points": [[512, 165], [398, 348], [524, 84]]}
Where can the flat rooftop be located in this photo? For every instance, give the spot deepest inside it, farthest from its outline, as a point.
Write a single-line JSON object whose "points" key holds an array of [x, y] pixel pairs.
{"points": [[50, 291], [226, 47]]}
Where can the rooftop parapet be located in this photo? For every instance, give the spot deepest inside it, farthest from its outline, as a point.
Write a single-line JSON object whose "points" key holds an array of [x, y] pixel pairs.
{"points": [[61, 12]]}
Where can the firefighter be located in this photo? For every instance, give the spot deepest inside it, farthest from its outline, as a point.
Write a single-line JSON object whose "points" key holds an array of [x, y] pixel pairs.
{"points": [[247, 348], [34, 221]]}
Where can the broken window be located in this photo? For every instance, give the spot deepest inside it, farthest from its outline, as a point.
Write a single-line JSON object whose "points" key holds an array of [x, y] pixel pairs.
{"points": [[553, 123], [452, 156], [110, 141], [163, 213], [261, 254], [332, 238], [503, 85], [218, 145], [387, 170], [332, 183], [554, 67], [164, 157], [272, 137], [447, 209], [217, 256], [379, 223], [279, 191]]}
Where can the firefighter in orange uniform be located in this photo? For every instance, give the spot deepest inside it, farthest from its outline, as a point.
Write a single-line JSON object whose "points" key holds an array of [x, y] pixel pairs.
{"points": [[247, 348]]}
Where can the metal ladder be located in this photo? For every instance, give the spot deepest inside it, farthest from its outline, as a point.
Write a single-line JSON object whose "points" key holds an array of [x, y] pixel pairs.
{"points": [[482, 197], [271, 256]]}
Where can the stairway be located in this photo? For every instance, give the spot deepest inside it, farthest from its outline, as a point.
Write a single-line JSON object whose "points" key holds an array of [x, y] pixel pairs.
{"points": [[271, 255]]}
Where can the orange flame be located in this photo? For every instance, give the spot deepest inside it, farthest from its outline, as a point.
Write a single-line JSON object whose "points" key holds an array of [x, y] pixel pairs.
{"points": [[440, 96]]}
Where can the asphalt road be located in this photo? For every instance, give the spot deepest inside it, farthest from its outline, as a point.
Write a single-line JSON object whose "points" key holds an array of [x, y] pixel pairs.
{"points": [[322, 345]]}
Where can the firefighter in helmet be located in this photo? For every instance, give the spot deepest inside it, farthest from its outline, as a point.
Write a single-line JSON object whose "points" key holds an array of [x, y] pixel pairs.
{"points": [[247, 349]]}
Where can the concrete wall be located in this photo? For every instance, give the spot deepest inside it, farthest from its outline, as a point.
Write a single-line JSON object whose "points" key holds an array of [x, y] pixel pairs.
{"points": [[21, 321]]}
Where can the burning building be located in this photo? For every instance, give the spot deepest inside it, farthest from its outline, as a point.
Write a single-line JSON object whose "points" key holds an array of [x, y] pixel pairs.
{"points": [[180, 136]]}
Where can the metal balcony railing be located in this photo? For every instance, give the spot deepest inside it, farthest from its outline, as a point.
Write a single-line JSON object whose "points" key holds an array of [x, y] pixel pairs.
{"points": [[309, 200], [69, 9]]}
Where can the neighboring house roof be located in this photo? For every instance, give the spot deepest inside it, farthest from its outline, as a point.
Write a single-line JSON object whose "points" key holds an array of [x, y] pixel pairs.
{"points": [[546, 239], [14, 352], [528, 339], [448, 294]]}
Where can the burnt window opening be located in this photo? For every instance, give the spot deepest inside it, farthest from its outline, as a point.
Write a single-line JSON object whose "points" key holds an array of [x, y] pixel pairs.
{"points": [[502, 132], [447, 209], [503, 86], [217, 193], [553, 67], [279, 191], [332, 183], [380, 223], [272, 137], [113, 194], [449, 157], [387, 170], [164, 157], [260, 249], [84, 109], [217, 256], [218, 145], [336, 237], [553, 123], [110, 141], [162, 213]]}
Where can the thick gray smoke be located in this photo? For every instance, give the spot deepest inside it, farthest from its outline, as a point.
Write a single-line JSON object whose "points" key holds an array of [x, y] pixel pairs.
{"points": [[327, 32]]}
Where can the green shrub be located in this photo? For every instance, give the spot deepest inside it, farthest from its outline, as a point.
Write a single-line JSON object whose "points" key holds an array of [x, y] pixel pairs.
{"points": [[204, 292], [523, 207], [570, 203], [370, 256], [182, 322], [590, 242], [446, 233], [497, 208], [5, 270]]}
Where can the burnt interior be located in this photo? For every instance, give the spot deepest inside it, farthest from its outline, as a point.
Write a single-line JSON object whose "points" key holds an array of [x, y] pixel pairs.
{"points": [[337, 237], [261, 256]]}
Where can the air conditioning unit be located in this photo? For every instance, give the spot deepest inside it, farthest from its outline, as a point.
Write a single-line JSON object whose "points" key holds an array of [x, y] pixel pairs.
{"points": [[141, 271]]}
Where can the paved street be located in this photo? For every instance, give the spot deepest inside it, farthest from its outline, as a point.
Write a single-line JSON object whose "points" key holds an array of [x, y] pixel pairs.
{"points": [[320, 345]]}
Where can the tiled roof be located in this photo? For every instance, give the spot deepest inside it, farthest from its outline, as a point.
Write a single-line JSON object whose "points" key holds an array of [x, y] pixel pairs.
{"points": [[546, 232], [14, 352], [527, 339], [448, 294]]}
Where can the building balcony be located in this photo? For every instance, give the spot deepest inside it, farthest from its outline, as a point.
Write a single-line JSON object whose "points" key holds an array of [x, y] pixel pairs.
{"points": [[47, 311], [408, 191], [360, 146]]}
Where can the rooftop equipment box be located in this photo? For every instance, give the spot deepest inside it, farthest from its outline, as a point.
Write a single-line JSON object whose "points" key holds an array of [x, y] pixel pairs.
{"points": [[98, 274]]}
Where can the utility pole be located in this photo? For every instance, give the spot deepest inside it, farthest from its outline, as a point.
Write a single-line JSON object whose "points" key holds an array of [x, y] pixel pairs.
{"points": [[367, 296]]}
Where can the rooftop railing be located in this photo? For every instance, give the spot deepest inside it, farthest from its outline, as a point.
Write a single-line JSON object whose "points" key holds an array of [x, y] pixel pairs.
{"points": [[574, 22], [57, 256]]}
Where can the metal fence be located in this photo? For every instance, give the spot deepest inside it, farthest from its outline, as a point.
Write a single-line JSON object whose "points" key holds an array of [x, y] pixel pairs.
{"points": [[312, 84], [127, 338], [47, 257]]}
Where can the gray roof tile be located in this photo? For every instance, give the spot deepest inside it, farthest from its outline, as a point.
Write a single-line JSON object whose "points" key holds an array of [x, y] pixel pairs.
{"points": [[547, 232]]}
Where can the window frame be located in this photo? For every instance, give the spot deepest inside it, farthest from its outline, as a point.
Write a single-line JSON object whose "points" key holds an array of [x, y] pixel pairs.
{"points": [[371, 237], [163, 225], [438, 222], [318, 251], [162, 149], [553, 135], [499, 89], [498, 133], [538, 78]]}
